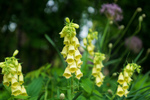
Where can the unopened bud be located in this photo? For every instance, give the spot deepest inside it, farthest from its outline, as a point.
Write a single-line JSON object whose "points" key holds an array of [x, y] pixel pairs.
{"points": [[109, 91], [67, 20], [114, 74], [148, 50], [62, 96], [143, 15], [15, 53], [111, 22], [110, 45], [76, 25], [140, 18], [121, 27], [139, 9]]}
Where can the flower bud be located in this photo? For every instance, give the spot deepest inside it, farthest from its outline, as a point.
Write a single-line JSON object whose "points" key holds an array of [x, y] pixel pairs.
{"points": [[114, 74], [139, 9], [67, 20], [62, 96], [109, 91], [140, 18], [111, 22], [110, 45], [143, 15], [15, 53]]}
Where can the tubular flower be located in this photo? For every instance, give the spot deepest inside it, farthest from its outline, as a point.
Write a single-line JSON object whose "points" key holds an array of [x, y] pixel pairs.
{"points": [[13, 76], [98, 65], [124, 78], [88, 41], [70, 50]]}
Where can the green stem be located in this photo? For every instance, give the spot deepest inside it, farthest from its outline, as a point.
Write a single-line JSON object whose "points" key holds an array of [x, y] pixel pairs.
{"points": [[72, 87], [123, 33], [104, 34], [113, 97], [46, 89]]}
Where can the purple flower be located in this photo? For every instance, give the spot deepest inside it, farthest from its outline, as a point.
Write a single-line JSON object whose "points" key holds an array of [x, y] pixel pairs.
{"points": [[112, 11], [134, 44]]}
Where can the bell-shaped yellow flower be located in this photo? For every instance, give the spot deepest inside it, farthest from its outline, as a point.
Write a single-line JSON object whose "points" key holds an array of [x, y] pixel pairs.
{"points": [[77, 44], [16, 76], [70, 59], [120, 91], [16, 91], [19, 69], [79, 62], [66, 40], [65, 51], [126, 93], [77, 55], [79, 74], [98, 81], [14, 82], [90, 47], [9, 76], [67, 73], [91, 53], [94, 72], [121, 78], [21, 81], [73, 67], [128, 69], [125, 85], [101, 75], [12, 70], [5, 80], [23, 91], [99, 66], [126, 75], [84, 41], [71, 49], [129, 80], [62, 34]]}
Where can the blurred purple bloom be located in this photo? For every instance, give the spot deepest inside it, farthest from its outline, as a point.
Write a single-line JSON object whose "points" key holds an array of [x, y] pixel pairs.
{"points": [[134, 44], [112, 11]]}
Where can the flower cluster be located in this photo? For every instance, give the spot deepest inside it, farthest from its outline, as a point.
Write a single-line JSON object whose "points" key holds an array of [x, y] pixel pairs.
{"points": [[96, 71], [124, 78], [13, 76], [70, 50], [112, 11], [88, 41]]}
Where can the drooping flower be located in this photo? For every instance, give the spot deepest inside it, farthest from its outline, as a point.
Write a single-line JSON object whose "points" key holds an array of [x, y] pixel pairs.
{"points": [[70, 50], [112, 11]]}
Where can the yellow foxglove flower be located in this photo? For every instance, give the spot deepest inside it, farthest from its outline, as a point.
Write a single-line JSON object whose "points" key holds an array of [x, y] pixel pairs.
{"points": [[77, 42], [94, 72], [21, 81], [62, 34], [125, 85], [73, 40], [67, 73], [91, 53], [121, 79], [14, 82], [129, 80], [101, 75], [126, 75], [13, 70], [120, 91], [15, 76], [23, 91], [77, 55], [3, 71], [78, 74], [128, 68], [16, 91], [66, 40], [9, 76], [98, 81], [99, 66], [84, 41], [15, 52], [70, 59], [65, 51], [16, 62], [5, 80], [73, 67], [19, 69], [71, 49], [79, 62], [126, 93]]}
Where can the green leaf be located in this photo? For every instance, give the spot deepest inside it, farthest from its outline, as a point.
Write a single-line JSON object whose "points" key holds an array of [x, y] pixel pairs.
{"points": [[53, 44], [81, 98], [34, 98], [95, 98], [138, 56], [86, 84], [97, 93], [35, 87], [69, 94], [112, 62], [21, 97]]}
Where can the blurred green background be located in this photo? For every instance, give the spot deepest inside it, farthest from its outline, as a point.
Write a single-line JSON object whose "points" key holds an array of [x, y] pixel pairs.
{"points": [[24, 23]]}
